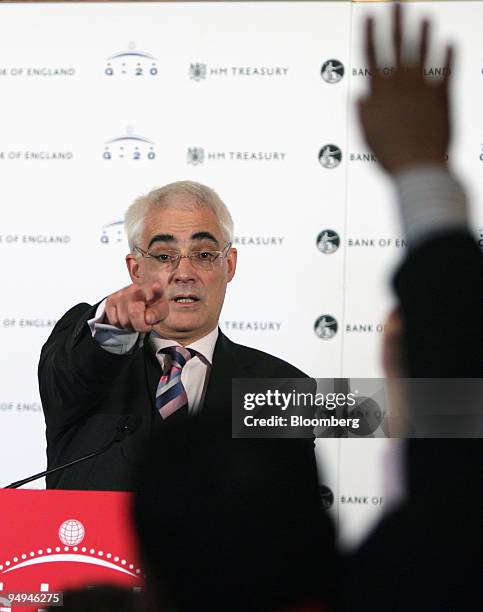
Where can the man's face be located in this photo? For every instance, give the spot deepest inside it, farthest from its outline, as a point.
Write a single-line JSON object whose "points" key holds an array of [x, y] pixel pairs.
{"points": [[195, 296]]}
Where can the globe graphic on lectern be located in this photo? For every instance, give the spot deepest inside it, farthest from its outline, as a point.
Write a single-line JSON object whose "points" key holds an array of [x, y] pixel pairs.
{"points": [[71, 532]]}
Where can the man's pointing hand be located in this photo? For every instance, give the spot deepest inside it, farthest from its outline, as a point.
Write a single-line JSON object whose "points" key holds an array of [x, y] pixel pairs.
{"points": [[136, 307]]}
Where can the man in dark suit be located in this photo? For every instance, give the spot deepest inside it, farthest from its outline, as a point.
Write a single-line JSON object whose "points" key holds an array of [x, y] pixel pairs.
{"points": [[244, 534], [152, 349]]}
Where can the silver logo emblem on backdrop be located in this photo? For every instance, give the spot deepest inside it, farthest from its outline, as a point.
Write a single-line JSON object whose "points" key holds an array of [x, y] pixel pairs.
{"points": [[332, 71], [197, 72], [129, 147], [325, 327], [326, 497], [330, 156], [131, 63], [195, 156], [328, 241], [480, 238], [113, 232]]}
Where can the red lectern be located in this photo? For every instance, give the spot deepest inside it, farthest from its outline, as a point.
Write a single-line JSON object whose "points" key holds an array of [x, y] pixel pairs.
{"points": [[51, 541]]}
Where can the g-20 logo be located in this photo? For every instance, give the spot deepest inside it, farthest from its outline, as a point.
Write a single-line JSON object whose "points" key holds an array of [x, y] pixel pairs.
{"points": [[131, 63], [130, 147], [113, 232]]}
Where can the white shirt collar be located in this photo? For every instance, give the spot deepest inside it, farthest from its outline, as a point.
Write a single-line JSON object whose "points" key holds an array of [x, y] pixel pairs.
{"points": [[205, 346]]}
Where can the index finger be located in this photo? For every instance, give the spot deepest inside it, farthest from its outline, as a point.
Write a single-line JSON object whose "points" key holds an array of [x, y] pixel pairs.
{"points": [[370, 47], [397, 34], [156, 312], [448, 65], [424, 43], [370, 51], [153, 292], [157, 308]]}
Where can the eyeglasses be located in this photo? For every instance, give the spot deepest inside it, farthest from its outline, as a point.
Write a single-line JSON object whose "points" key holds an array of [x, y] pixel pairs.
{"points": [[169, 260]]}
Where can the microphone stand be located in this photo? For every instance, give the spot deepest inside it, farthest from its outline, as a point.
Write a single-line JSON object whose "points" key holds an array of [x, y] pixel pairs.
{"points": [[129, 426]]}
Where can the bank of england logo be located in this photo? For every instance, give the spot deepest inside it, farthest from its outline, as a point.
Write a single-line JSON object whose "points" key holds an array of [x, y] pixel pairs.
{"points": [[71, 532], [197, 71], [195, 156], [330, 156], [129, 147], [371, 417], [325, 327], [326, 497], [113, 232], [131, 63], [328, 241], [332, 71]]}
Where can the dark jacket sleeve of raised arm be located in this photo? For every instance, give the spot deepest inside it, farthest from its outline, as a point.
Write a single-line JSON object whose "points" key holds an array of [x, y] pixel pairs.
{"points": [[440, 289]]}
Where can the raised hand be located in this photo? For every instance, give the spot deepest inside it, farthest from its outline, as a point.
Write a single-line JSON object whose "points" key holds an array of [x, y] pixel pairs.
{"points": [[405, 116]]}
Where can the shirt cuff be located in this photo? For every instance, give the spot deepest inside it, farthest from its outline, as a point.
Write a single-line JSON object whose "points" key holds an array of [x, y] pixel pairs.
{"points": [[112, 339], [431, 201]]}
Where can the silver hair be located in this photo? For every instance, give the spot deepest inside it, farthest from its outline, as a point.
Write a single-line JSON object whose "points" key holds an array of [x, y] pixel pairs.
{"points": [[165, 197]]}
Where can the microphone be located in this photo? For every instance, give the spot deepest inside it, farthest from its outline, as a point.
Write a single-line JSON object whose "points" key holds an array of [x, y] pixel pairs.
{"points": [[126, 427]]}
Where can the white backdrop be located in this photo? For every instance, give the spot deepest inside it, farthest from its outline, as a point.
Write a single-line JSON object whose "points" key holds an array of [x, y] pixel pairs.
{"points": [[103, 102]]}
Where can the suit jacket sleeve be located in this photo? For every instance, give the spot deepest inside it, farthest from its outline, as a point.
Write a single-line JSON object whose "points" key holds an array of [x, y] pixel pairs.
{"points": [[441, 296], [440, 288], [75, 373]]}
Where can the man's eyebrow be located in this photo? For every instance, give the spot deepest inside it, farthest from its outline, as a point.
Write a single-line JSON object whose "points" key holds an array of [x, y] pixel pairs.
{"points": [[204, 236], [161, 238]]}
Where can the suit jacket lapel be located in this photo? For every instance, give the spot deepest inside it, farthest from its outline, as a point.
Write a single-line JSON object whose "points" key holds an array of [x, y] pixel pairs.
{"points": [[218, 393], [153, 372]]}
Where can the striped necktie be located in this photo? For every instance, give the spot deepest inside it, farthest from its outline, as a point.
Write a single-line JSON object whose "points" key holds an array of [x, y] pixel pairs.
{"points": [[170, 394]]}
